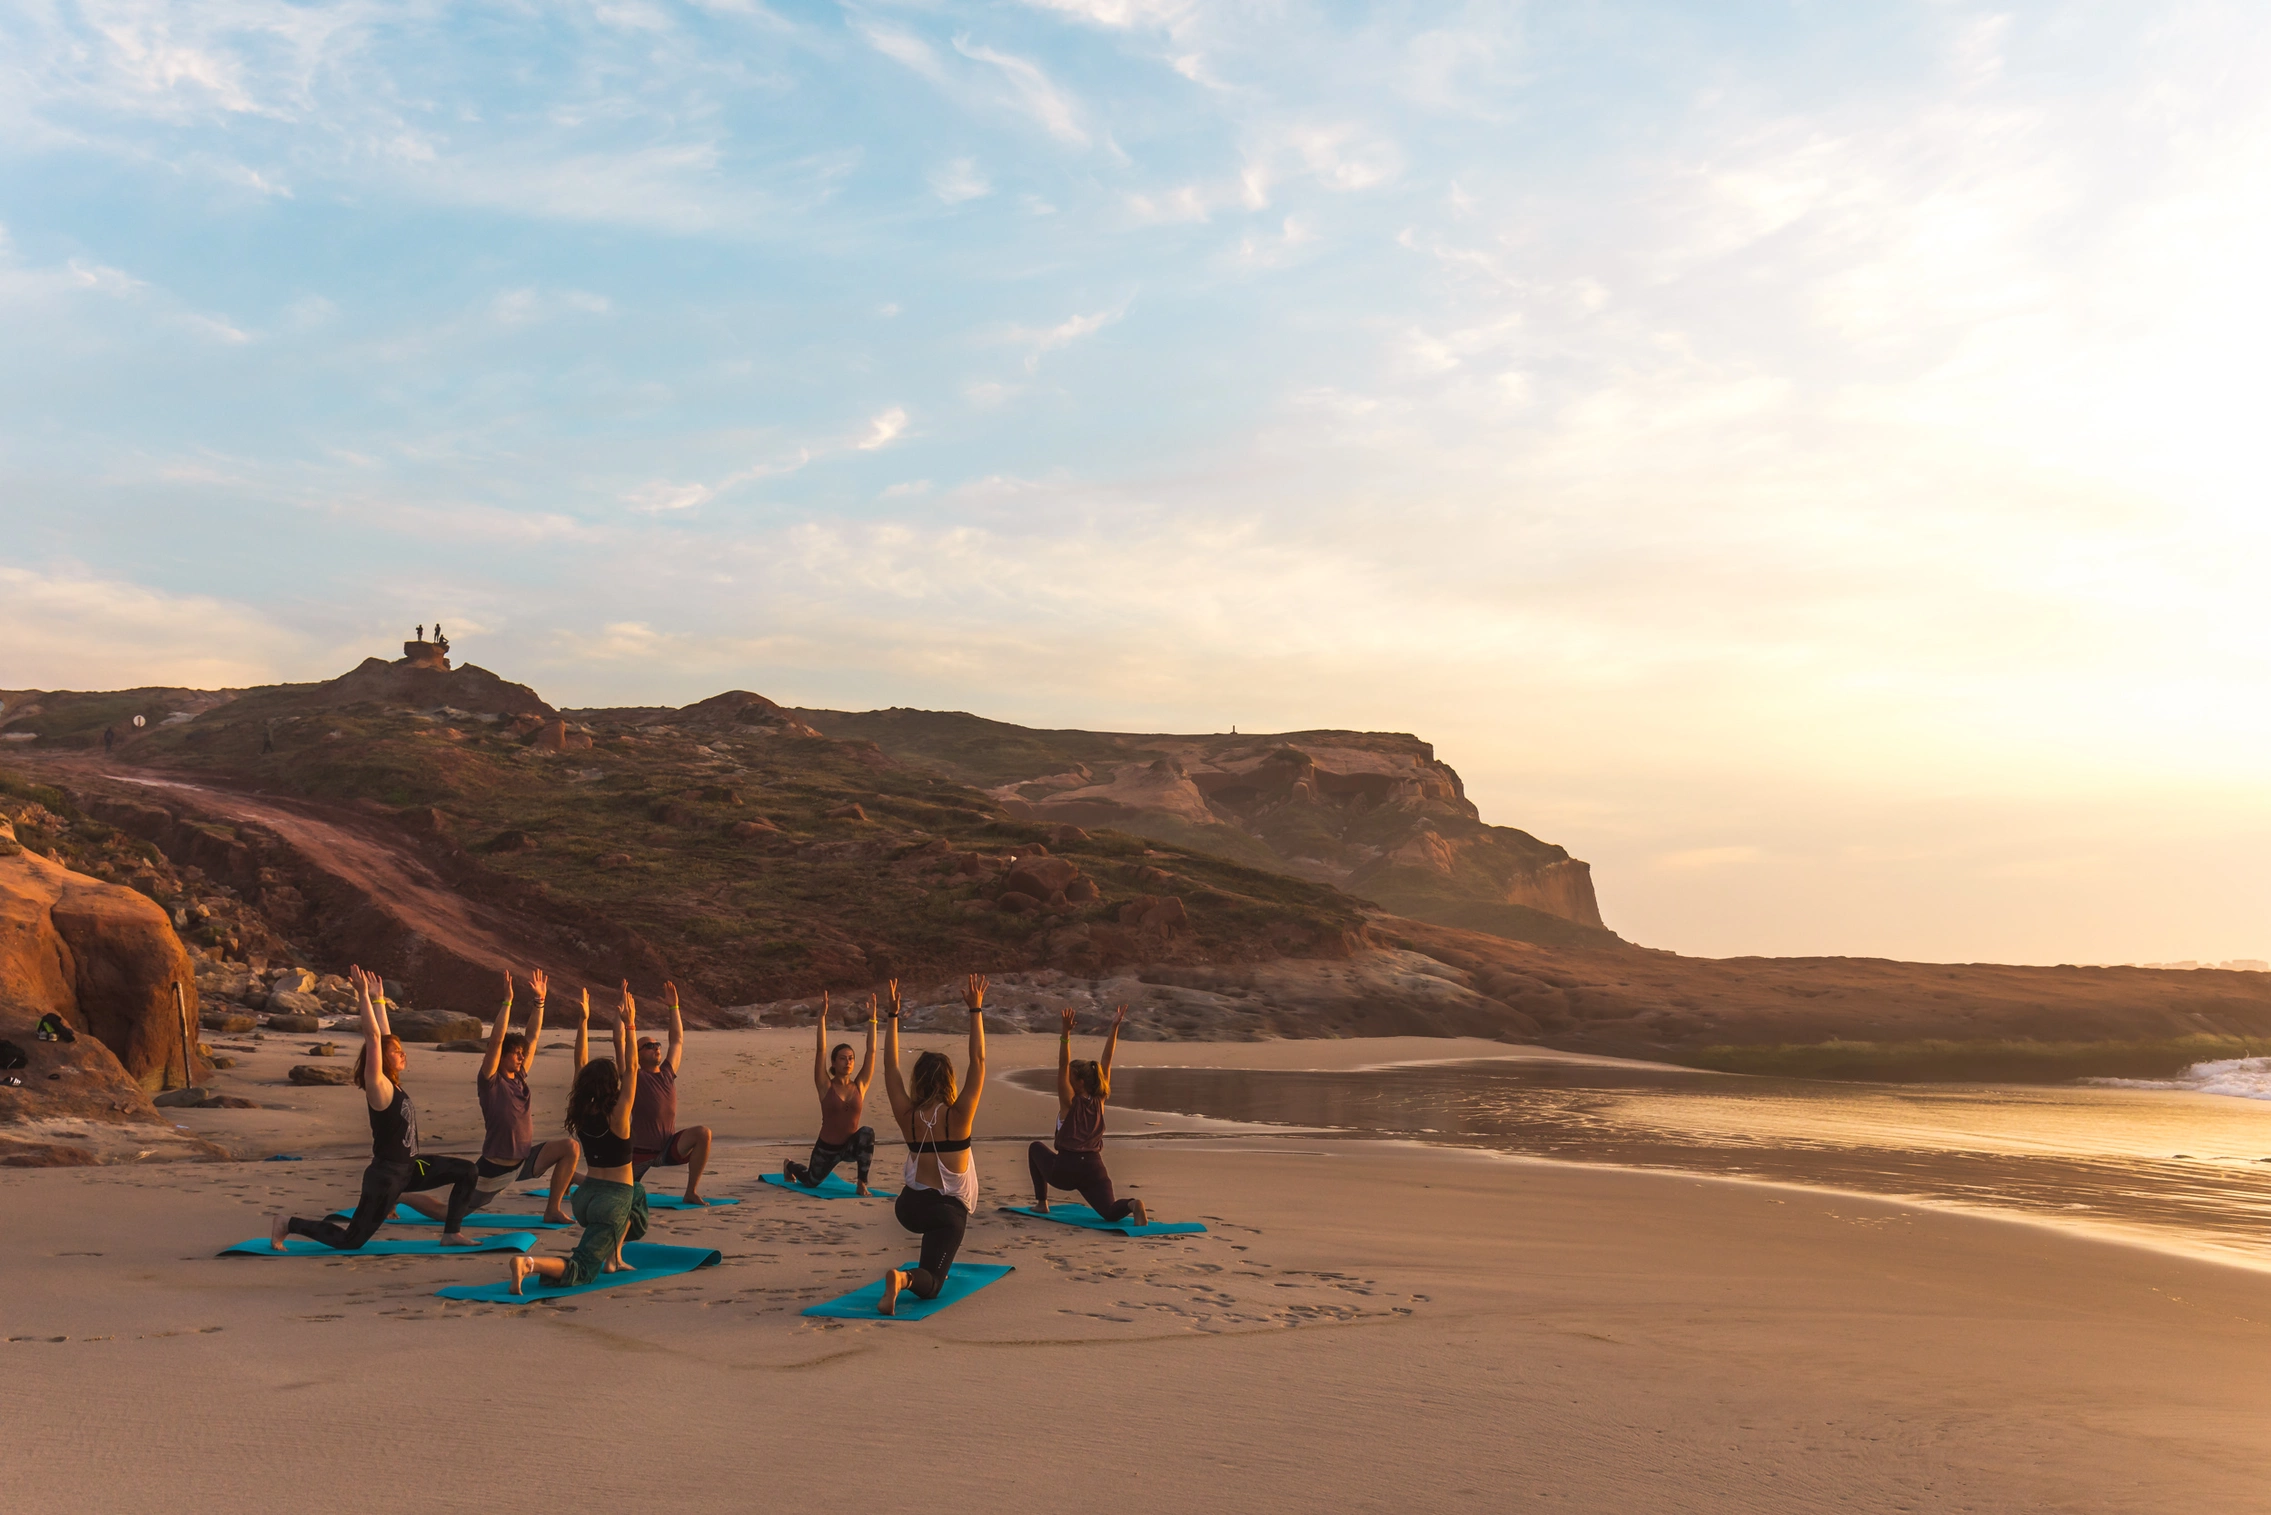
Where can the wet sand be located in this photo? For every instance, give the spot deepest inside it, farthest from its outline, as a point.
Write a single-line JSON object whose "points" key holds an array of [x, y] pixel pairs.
{"points": [[1367, 1325]]}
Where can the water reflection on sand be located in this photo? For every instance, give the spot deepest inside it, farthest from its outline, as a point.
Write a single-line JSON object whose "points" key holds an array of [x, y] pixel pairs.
{"points": [[2170, 1167]]}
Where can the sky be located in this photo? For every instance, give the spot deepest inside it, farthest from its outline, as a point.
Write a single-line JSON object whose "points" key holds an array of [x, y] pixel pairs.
{"points": [[1804, 458]]}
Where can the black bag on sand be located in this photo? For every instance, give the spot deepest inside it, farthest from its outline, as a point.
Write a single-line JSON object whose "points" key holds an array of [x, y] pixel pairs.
{"points": [[13, 1056]]}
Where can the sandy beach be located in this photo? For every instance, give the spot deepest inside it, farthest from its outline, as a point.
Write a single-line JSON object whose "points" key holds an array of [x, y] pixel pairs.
{"points": [[1365, 1325]]}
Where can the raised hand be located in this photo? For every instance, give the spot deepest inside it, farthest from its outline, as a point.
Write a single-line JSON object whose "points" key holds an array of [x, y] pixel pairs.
{"points": [[871, 1003], [538, 982], [583, 1016], [1119, 1016], [508, 989], [974, 994], [1068, 1016], [668, 988]]}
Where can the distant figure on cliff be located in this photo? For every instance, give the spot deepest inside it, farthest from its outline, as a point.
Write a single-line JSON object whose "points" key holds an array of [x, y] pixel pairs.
{"points": [[422, 630], [439, 639]]}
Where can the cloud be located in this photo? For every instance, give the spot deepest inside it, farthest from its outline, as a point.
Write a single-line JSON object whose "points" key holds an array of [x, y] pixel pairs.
{"points": [[1032, 91], [884, 430], [1069, 330], [65, 628], [904, 47], [959, 180]]}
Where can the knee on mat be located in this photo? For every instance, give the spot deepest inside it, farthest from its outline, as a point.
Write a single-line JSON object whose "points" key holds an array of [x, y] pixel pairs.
{"points": [[922, 1285]]}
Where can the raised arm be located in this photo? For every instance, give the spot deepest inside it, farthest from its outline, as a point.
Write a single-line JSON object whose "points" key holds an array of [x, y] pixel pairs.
{"points": [[495, 1053], [677, 1047], [820, 1047], [867, 1063], [626, 1062], [1111, 1045], [583, 1032], [539, 983], [895, 1082], [1064, 1064], [966, 1103], [378, 1089]]}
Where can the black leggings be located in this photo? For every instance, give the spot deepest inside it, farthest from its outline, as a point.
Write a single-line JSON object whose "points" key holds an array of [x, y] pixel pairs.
{"points": [[1082, 1172], [860, 1148], [940, 1219], [385, 1183]]}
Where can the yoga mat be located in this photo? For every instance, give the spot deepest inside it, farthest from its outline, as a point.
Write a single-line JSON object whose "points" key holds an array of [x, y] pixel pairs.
{"points": [[965, 1279], [831, 1187], [301, 1246], [405, 1216], [648, 1263], [1089, 1220], [655, 1201]]}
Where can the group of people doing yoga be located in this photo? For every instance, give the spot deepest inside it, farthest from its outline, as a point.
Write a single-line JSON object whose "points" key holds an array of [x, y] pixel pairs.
{"points": [[621, 1122]]}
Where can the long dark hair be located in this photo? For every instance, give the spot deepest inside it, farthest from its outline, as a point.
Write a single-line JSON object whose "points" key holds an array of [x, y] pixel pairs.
{"points": [[1088, 1076], [592, 1100], [934, 1079], [389, 1043]]}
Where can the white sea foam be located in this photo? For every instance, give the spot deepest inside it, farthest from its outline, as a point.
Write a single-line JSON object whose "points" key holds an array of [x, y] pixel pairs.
{"points": [[2241, 1077]]}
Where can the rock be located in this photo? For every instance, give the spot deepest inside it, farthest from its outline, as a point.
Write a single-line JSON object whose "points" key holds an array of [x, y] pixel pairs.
{"points": [[744, 831], [293, 1002], [306, 1073], [1014, 902], [434, 1026], [1040, 877], [291, 981], [323, 1049], [229, 1102], [295, 1023], [719, 794], [1066, 836], [510, 841], [1082, 891], [1155, 913], [332, 983], [474, 1045], [614, 860], [554, 736], [223, 1020], [222, 1062], [181, 1099], [847, 813]]}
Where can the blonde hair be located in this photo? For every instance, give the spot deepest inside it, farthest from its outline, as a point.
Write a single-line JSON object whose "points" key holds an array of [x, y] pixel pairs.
{"points": [[934, 1079]]}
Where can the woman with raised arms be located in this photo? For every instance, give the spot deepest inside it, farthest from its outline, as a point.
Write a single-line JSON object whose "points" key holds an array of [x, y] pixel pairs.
{"points": [[1078, 1160], [610, 1203], [941, 1188]]}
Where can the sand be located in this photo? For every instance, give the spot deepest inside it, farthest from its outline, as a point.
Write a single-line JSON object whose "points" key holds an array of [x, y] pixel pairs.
{"points": [[1366, 1326]]}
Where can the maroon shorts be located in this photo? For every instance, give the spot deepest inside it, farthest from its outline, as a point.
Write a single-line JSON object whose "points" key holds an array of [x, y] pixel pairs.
{"points": [[673, 1156]]}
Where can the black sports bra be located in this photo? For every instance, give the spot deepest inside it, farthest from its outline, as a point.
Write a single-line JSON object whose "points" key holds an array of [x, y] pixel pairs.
{"points": [[954, 1146], [604, 1149]]}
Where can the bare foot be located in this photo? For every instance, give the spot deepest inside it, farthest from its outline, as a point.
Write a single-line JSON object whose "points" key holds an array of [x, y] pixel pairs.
{"points": [[1040, 1207], [458, 1239], [861, 1191], [1139, 1214], [893, 1282], [277, 1230], [695, 1199], [560, 1219], [521, 1267], [788, 1171]]}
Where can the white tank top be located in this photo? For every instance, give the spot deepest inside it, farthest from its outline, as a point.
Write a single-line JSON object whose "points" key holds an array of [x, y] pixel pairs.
{"points": [[931, 1127]]}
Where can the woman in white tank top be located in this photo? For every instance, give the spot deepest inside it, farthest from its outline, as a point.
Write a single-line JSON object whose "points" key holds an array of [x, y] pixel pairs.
{"points": [[941, 1188]]}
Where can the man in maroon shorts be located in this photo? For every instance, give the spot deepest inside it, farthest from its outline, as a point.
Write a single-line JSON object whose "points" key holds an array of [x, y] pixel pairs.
{"points": [[657, 1141]]}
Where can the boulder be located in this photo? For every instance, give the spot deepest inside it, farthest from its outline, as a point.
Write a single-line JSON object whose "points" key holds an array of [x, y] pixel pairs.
{"points": [[744, 831], [291, 981], [1083, 891], [847, 813], [474, 1045], [434, 1026], [293, 1002], [224, 1020], [1040, 877], [308, 1073], [323, 1049], [511, 841], [295, 1023], [1016, 902], [1155, 913]]}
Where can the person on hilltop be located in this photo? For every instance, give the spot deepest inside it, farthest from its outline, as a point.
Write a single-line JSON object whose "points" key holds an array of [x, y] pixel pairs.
{"points": [[510, 1153], [610, 1203], [941, 1188], [395, 1167], [843, 1097], [656, 1138], [1077, 1162]]}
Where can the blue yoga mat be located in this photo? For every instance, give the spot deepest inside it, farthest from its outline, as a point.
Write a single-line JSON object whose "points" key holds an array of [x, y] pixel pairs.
{"points": [[656, 1201], [831, 1187], [965, 1280], [648, 1262], [482, 1219], [1089, 1220], [301, 1246]]}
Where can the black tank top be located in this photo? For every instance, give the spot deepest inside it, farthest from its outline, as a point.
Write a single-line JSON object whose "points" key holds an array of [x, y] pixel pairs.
{"points": [[603, 1148], [394, 1130]]}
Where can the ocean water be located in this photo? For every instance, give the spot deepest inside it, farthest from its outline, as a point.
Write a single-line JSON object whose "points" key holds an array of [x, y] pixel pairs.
{"points": [[2183, 1164]]}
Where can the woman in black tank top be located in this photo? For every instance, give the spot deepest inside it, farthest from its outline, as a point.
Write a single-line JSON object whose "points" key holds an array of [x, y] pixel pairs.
{"points": [[396, 1168], [1077, 1160], [611, 1204]]}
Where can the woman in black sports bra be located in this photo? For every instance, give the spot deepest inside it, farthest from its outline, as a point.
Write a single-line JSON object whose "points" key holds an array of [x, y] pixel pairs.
{"points": [[941, 1186], [395, 1168], [610, 1203]]}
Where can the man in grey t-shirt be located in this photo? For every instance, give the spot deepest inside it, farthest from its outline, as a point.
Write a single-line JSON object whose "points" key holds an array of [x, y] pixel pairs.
{"points": [[510, 1153]]}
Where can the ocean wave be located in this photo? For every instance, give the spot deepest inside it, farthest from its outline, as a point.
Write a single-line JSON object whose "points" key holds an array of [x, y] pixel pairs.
{"points": [[2240, 1077]]}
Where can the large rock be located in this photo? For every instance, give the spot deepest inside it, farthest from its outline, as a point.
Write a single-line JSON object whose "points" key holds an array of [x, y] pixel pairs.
{"points": [[1041, 877], [293, 1002], [309, 1073], [433, 1025], [105, 959], [291, 981]]}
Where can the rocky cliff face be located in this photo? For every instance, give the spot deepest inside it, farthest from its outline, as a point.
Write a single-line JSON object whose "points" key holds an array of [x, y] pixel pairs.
{"points": [[1372, 813]]}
